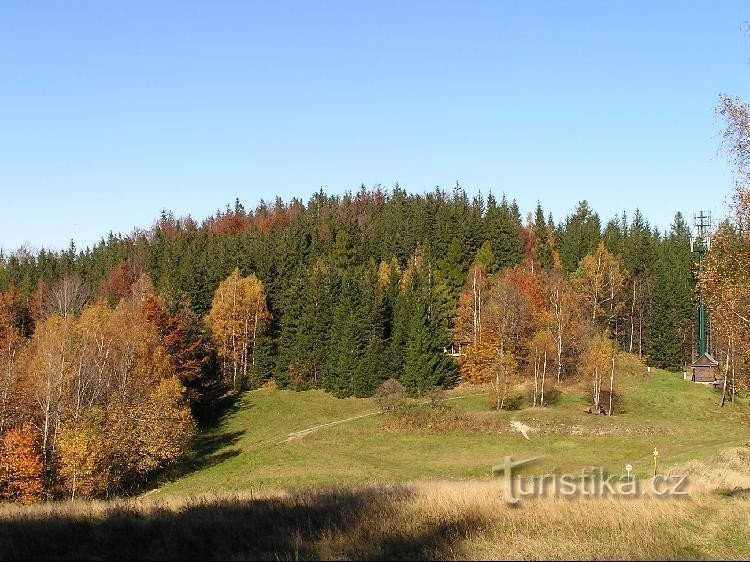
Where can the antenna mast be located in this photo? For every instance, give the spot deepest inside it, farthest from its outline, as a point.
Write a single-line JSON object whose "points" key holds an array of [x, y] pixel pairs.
{"points": [[700, 243]]}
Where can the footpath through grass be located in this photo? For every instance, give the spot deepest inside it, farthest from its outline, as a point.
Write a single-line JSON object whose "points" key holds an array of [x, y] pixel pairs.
{"points": [[249, 449]]}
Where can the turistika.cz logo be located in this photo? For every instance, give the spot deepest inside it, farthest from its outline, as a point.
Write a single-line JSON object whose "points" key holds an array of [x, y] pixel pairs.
{"points": [[589, 483]]}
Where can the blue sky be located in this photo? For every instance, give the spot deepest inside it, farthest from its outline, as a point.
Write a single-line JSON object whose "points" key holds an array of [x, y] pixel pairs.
{"points": [[111, 111]]}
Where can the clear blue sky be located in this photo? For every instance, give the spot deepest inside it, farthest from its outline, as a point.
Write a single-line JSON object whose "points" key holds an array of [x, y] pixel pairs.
{"points": [[111, 111]]}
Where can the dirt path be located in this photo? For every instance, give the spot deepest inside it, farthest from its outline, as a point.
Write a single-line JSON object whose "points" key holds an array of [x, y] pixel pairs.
{"points": [[304, 432], [299, 434]]}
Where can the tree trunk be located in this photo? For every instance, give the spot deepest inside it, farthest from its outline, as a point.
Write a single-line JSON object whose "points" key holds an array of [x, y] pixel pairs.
{"points": [[544, 372], [597, 386], [632, 319], [733, 386], [45, 431], [536, 377], [255, 335], [234, 360], [505, 388], [726, 376], [611, 384], [497, 390], [640, 333], [476, 309]]}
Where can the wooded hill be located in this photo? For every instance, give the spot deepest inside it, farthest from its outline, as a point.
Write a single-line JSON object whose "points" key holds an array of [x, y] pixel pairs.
{"points": [[340, 293]]}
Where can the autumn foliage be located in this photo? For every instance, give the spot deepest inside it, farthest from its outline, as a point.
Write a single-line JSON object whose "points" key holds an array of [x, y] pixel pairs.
{"points": [[238, 315], [531, 324], [102, 393], [104, 366], [21, 469]]}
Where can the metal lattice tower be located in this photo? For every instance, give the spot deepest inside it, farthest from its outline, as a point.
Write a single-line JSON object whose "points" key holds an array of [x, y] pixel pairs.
{"points": [[700, 243]]}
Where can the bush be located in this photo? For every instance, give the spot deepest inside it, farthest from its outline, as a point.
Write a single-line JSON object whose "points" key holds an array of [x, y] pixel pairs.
{"points": [[390, 395], [551, 395], [436, 397]]}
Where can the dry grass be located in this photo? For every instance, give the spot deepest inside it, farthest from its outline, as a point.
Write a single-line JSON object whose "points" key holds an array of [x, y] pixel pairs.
{"points": [[727, 473], [426, 419], [445, 520]]}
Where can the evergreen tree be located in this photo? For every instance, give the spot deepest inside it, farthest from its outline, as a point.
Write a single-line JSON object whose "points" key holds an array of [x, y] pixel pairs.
{"points": [[451, 269], [425, 363], [543, 239], [669, 323], [344, 350], [578, 236], [503, 231]]}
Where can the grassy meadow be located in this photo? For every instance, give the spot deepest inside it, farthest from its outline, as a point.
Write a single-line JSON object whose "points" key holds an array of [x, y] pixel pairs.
{"points": [[255, 445], [304, 475]]}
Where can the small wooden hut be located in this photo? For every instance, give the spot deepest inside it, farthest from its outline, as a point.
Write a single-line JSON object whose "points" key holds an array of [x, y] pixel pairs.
{"points": [[704, 369]]}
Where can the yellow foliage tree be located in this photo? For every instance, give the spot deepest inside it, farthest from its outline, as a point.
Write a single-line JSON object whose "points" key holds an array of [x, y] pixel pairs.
{"points": [[597, 363], [600, 279], [109, 403], [238, 314], [84, 455], [725, 284]]}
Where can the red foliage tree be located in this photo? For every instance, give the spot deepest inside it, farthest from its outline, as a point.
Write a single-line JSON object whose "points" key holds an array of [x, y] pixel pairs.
{"points": [[184, 344], [118, 282]]}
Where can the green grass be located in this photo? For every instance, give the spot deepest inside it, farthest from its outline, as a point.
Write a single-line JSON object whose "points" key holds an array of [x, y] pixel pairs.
{"points": [[249, 450]]}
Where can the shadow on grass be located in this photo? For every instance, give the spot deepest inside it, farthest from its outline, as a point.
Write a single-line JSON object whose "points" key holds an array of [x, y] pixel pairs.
{"points": [[221, 407], [340, 524], [211, 446]]}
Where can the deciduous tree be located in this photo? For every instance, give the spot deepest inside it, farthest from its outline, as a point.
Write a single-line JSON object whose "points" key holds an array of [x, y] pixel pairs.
{"points": [[21, 469], [238, 314]]}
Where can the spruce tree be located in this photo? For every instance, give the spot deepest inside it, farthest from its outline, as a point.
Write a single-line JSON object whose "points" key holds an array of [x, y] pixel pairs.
{"points": [[669, 344], [542, 234], [503, 231], [344, 349], [578, 236]]}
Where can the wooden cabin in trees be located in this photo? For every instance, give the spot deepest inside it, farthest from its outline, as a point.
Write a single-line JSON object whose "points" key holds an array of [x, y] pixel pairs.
{"points": [[704, 369], [457, 350]]}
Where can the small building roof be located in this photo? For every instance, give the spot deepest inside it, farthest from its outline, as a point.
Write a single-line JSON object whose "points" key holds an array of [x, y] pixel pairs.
{"points": [[705, 360]]}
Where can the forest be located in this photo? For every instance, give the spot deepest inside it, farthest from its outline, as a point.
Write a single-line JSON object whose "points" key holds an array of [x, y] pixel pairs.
{"points": [[111, 357]]}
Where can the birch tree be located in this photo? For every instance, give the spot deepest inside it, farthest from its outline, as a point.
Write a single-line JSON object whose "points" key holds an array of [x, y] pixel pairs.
{"points": [[238, 314]]}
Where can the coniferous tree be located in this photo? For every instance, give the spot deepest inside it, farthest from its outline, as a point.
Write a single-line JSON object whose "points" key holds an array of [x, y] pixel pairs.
{"points": [[543, 239], [669, 321], [578, 236], [503, 231], [345, 346]]}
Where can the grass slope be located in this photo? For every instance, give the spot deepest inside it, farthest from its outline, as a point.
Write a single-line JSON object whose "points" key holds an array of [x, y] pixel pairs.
{"points": [[249, 449], [418, 521]]}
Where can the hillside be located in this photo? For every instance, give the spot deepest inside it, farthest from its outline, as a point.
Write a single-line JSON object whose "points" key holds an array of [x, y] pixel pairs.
{"points": [[337, 295], [261, 442], [304, 475]]}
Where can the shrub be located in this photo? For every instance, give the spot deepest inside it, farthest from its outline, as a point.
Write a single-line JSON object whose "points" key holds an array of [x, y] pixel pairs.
{"points": [[390, 395], [436, 397]]}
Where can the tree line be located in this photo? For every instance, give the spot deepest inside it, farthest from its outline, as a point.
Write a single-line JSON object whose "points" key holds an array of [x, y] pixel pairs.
{"points": [[109, 354]]}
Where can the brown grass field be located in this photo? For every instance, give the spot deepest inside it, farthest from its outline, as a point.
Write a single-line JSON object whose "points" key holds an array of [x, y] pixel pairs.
{"points": [[425, 520]]}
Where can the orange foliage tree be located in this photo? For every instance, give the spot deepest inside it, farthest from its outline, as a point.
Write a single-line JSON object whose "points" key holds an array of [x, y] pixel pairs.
{"points": [[185, 345], [21, 468], [11, 345], [117, 284]]}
